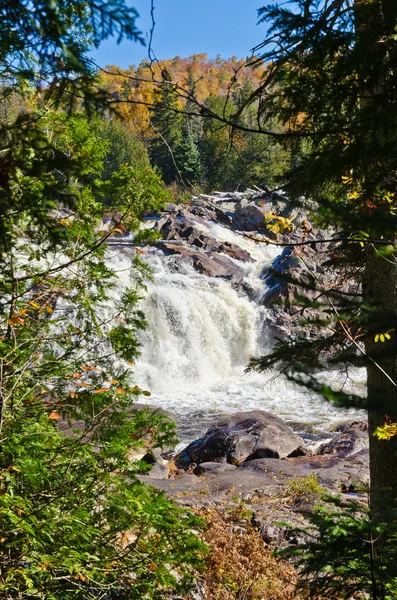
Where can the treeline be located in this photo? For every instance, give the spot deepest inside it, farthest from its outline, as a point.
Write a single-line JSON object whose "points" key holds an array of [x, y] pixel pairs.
{"points": [[157, 120]]}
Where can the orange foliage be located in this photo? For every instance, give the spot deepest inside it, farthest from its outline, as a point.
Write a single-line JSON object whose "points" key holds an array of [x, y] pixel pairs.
{"points": [[134, 89]]}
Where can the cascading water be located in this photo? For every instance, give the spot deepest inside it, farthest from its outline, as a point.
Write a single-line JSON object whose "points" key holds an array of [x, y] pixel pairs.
{"points": [[201, 333]]}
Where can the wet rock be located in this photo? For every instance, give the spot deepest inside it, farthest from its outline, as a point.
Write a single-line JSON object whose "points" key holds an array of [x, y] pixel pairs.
{"points": [[234, 251], [350, 439], [238, 437], [191, 231]]}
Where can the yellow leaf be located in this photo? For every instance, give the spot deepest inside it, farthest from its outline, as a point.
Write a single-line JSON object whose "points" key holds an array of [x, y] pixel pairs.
{"points": [[377, 337], [64, 222], [101, 391], [131, 363], [49, 309], [34, 304], [114, 381], [387, 336], [382, 337], [120, 391], [82, 384], [54, 415]]}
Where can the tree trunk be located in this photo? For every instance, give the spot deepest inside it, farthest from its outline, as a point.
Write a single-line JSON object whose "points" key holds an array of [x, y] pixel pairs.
{"points": [[380, 290]]}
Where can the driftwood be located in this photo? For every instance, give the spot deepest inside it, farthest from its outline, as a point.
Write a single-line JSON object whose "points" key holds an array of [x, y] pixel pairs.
{"points": [[224, 197]]}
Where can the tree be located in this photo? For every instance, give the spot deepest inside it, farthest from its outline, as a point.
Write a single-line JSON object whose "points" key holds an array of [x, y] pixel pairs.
{"points": [[167, 124], [188, 155], [124, 147], [75, 520]]}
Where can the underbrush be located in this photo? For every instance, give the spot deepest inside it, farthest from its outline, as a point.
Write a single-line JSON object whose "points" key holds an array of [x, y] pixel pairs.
{"points": [[240, 567]]}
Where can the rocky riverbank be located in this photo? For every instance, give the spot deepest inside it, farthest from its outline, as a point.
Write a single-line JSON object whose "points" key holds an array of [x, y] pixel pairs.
{"points": [[256, 460]]}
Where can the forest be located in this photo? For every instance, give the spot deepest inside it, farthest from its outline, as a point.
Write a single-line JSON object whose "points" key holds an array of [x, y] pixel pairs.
{"points": [[189, 152], [174, 236]]}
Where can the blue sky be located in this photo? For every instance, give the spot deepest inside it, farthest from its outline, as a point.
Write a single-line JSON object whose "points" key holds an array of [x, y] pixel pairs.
{"points": [[184, 27]]}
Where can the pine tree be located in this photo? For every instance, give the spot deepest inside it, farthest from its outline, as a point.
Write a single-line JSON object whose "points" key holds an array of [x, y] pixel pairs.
{"points": [[188, 155], [334, 85]]}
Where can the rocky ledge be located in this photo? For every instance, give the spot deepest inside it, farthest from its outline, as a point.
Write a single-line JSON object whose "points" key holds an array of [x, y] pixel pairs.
{"points": [[256, 459]]}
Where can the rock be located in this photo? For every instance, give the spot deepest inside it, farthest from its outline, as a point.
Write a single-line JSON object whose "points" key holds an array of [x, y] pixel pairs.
{"points": [[276, 277], [350, 439], [158, 471], [207, 263], [275, 470], [190, 229], [249, 217], [334, 472], [222, 217], [211, 468], [239, 437], [234, 251]]}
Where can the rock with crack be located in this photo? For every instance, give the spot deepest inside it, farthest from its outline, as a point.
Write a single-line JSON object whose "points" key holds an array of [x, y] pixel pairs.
{"points": [[241, 437]]}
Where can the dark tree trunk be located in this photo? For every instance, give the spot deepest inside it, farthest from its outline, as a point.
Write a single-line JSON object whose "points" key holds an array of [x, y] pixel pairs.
{"points": [[380, 290]]}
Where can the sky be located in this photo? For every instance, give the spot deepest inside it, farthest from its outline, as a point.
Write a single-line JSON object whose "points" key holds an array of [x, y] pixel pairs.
{"points": [[184, 27]]}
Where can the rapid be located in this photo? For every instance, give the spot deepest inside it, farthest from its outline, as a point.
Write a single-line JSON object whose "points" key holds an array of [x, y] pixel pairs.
{"points": [[201, 333]]}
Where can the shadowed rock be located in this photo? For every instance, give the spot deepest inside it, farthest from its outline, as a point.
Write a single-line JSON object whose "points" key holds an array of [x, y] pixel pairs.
{"points": [[239, 437]]}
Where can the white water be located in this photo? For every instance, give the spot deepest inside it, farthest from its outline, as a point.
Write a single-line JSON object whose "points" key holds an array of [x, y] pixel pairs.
{"points": [[201, 334]]}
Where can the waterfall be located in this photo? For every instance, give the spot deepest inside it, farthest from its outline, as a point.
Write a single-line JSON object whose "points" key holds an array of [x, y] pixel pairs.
{"points": [[201, 333]]}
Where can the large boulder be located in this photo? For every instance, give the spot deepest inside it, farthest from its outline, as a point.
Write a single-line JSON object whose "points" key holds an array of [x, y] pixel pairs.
{"points": [[242, 437]]}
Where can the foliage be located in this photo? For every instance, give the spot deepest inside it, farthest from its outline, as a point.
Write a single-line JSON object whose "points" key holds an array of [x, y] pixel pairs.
{"points": [[46, 43], [340, 559], [200, 152], [68, 425], [76, 521], [167, 126], [304, 486], [124, 148]]}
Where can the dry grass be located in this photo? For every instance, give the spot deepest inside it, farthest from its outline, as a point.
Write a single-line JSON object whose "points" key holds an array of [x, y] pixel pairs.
{"points": [[240, 567]]}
